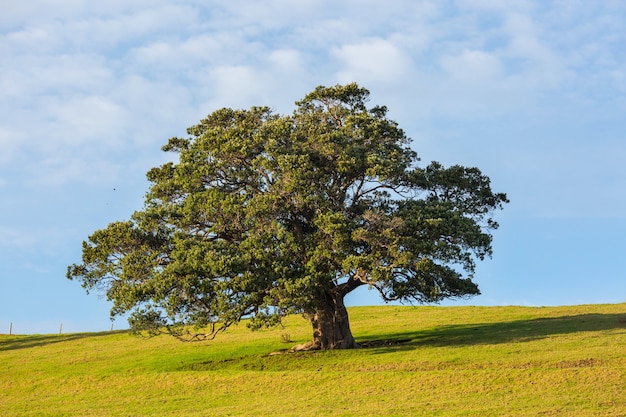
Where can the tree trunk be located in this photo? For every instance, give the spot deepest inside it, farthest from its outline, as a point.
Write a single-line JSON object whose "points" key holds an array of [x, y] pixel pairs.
{"points": [[331, 327]]}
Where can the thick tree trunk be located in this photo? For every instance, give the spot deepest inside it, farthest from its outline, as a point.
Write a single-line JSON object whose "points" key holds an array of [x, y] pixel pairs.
{"points": [[331, 327]]}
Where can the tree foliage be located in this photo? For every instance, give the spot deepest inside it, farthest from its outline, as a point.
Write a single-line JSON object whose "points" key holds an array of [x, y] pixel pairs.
{"points": [[264, 215]]}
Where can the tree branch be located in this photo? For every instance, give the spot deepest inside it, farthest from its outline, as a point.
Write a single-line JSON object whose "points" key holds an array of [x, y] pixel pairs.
{"points": [[355, 281]]}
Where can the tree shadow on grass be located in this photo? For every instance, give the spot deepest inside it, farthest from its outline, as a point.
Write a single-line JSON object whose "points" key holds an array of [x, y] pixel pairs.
{"points": [[452, 335], [15, 342], [494, 333]]}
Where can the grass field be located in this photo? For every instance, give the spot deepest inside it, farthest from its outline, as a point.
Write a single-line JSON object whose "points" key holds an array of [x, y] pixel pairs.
{"points": [[447, 361]]}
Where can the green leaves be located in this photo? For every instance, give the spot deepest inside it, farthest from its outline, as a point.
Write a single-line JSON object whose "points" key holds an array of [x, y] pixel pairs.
{"points": [[265, 215]]}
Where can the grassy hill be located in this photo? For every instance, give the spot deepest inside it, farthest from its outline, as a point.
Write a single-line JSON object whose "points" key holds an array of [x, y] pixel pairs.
{"points": [[430, 361]]}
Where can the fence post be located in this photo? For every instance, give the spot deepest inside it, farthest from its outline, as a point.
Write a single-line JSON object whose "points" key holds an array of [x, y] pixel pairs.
{"points": [[61, 329], [11, 329]]}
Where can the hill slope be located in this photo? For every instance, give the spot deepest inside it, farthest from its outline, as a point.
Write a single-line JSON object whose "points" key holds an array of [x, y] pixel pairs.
{"points": [[435, 361]]}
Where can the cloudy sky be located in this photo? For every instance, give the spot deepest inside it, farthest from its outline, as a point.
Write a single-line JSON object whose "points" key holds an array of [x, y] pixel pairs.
{"points": [[532, 92]]}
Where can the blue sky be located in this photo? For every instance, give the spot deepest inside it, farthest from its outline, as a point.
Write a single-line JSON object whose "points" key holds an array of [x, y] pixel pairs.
{"points": [[532, 92]]}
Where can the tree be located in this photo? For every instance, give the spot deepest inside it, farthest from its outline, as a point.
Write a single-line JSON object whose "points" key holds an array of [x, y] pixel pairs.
{"points": [[265, 215]]}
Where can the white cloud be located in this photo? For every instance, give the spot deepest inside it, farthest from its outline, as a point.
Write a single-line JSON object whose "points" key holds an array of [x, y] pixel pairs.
{"points": [[156, 109], [252, 15], [236, 86], [86, 119], [319, 35], [154, 21], [9, 143], [286, 60], [473, 66], [90, 31], [31, 40], [16, 13], [35, 75], [181, 57], [65, 169], [373, 60], [494, 6], [540, 63]]}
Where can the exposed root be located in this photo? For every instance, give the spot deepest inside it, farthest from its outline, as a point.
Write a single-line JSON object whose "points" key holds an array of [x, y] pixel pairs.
{"points": [[303, 347], [310, 346]]}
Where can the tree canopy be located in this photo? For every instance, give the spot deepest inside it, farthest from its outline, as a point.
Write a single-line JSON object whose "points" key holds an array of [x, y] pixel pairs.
{"points": [[264, 215]]}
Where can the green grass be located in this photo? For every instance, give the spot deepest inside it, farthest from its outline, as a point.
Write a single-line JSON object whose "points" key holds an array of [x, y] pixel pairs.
{"points": [[451, 361]]}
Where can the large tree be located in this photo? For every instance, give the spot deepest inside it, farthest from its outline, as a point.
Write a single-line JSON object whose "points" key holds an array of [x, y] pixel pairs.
{"points": [[264, 215]]}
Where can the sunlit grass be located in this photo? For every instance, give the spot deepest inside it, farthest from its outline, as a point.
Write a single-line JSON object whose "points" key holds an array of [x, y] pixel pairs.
{"points": [[450, 361]]}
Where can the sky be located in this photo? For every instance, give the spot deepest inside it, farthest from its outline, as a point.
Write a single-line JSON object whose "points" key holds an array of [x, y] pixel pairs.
{"points": [[532, 92]]}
